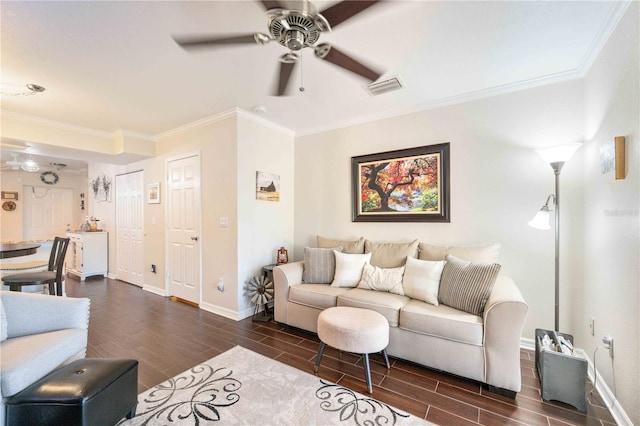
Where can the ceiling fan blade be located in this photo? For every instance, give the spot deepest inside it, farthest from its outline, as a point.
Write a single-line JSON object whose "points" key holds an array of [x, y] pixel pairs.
{"points": [[286, 69], [271, 4], [329, 53], [208, 41], [344, 10]]}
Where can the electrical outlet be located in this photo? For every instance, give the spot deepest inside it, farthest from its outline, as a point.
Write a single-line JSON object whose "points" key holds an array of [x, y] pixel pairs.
{"points": [[153, 268], [608, 343], [592, 326]]}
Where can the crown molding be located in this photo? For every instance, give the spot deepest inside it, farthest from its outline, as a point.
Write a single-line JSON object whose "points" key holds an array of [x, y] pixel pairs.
{"points": [[264, 122], [233, 112], [198, 123], [616, 12], [56, 124]]}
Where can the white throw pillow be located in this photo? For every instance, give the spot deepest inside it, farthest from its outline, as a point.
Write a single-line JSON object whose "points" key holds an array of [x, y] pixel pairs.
{"points": [[422, 279], [349, 269], [382, 279]]}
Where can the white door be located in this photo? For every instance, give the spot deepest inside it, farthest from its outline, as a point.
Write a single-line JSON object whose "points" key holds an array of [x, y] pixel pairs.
{"points": [[129, 228], [47, 212], [183, 228]]}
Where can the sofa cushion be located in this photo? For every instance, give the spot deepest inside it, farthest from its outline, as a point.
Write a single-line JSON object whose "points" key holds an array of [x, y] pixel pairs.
{"points": [[390, 255], [442, 321], [349, 269], [388, 304], [320, 296], [382, 279], [485, 253], [353, 247], [28, 358], [3, 322], [319, 265], [421, 279], [467, 285]]}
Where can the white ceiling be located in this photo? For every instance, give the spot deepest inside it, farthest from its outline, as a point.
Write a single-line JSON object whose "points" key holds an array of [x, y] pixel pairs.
{"points": [[112, 65]]}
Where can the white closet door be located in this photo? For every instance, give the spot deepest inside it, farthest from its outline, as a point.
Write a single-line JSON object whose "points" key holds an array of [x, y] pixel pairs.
{"points": [[47, 211], [129, 228]]}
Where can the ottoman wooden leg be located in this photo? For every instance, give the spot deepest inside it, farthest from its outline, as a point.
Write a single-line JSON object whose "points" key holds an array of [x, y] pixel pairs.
{"points": [[367, 373], [319, 357]]}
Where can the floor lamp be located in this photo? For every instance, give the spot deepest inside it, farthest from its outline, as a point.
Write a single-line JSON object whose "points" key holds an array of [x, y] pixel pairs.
{"points": [[556, 156]]}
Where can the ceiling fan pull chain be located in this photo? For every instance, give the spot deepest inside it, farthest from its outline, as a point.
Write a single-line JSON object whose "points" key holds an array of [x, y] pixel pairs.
{"points": [[301, 82]]}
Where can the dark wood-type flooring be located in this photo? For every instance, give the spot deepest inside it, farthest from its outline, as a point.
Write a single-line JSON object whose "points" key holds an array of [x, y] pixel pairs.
{"points": [[168, 337]]}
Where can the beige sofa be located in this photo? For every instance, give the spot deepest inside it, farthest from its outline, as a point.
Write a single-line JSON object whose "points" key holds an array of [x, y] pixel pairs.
{"points": [[484, 347]]}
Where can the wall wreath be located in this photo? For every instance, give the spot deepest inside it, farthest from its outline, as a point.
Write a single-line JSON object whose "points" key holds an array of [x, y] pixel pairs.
{"points": [[50, 178]]}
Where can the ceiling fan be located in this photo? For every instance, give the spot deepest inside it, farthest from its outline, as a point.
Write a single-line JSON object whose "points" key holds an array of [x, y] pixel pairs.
{"points": [[13, 164], [296, 24]]}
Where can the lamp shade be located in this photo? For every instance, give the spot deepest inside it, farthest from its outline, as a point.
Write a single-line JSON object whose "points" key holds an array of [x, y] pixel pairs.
{"points": [[558, 153], [541, 219]]}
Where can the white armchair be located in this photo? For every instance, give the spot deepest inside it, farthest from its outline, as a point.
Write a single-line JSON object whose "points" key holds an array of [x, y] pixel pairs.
{"points": [[39, 333]]}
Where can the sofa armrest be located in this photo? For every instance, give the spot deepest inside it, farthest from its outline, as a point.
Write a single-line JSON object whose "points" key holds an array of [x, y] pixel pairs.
{"points": [[504, 317], [285, 276], [36, 313]]}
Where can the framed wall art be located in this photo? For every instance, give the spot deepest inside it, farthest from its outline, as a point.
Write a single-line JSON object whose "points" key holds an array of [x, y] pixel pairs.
{"points": [[153, 193], [407, 185]]}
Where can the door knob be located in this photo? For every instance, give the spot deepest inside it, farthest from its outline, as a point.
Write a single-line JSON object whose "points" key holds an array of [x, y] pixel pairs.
{"points": [[194, 238]]}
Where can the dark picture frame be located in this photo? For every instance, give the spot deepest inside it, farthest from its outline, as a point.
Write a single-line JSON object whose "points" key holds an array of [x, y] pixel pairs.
{"points": [[406, 185]]}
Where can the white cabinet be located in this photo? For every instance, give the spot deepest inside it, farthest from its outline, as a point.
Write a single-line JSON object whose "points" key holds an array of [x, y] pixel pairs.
{"points": [[88, 254]]}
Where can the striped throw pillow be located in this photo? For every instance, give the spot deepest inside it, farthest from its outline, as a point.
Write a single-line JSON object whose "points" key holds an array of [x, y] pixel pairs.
{"points": [[467, 285], [319, 265]]}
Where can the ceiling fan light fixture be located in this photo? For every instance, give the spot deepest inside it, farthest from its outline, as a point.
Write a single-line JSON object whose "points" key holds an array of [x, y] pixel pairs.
{"points": [[30, 166], [21, 90]]}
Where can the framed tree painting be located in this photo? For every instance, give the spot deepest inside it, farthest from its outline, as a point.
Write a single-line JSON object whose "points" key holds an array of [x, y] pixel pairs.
{"points": [[407, 185]]}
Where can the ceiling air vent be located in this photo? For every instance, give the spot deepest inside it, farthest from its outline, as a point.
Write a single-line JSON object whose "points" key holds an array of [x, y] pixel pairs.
{"points": [[384, 86]]}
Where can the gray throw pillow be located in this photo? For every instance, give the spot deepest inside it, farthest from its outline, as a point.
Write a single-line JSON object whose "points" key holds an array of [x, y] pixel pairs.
{"points": [[319, 265], [466, 285]]}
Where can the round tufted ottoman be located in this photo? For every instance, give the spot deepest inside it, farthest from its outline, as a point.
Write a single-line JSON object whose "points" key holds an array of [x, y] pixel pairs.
{"points": [[354, 330]]}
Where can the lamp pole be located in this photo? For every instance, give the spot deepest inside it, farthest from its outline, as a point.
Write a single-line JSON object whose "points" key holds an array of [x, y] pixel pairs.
{"points": [[557, 166]]}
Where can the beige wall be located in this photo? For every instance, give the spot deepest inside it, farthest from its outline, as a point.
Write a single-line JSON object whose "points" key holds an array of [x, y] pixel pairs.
{"points": [[264, 225], [11, 223], [607, 269], [497, 181]]}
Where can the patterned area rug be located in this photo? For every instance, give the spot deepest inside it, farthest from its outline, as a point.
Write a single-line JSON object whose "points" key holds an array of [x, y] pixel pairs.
{"points": [[242, 387]]}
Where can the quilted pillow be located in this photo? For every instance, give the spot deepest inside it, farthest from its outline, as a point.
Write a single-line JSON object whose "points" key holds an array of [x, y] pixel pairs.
{"points": [[349, 269], [390, 255], [319, 265], [354, 247], [422, 279], [485, 253], [466, 285], [382, 279]]}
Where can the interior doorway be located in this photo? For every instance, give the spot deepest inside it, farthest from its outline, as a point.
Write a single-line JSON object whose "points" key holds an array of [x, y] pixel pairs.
{"points": [[130, 228], [47, 212], [183, 249]]}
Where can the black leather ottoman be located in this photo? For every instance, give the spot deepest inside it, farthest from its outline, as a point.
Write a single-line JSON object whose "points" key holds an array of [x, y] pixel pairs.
{"points": [[90, 391]]}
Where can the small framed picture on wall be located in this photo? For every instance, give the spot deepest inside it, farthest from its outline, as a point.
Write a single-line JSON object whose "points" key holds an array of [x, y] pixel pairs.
{"points": [[153, 193]]}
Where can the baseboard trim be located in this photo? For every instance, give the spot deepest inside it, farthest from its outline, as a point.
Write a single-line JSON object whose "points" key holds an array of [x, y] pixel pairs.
{"points": [[618, 413], [227, 313], [154, 290]]}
